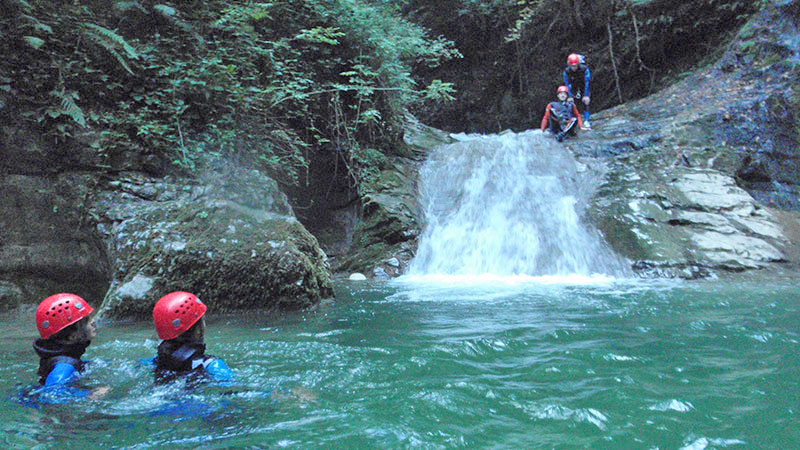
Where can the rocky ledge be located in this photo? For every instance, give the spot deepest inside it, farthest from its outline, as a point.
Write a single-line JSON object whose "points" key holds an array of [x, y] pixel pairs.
{"points": [[702, 178]]}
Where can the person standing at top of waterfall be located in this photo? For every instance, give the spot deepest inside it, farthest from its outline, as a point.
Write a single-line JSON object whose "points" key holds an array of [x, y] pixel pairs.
{"points": [[576, 78], [561, 116], [66, 330], [179, 320]]}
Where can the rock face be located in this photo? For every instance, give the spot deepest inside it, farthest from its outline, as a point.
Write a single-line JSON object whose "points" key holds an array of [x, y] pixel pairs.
{"points": [[385, 237], [694, 170], [682, 221], [129, 238], [46, 243]]}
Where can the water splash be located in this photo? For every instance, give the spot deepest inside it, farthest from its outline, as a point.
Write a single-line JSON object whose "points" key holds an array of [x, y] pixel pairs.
{"points": [[508, 205]]}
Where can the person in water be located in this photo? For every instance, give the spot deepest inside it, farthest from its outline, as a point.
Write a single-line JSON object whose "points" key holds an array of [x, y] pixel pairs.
{"points": [[576, 79], [179, 322], [66, 331], [561, 116]]}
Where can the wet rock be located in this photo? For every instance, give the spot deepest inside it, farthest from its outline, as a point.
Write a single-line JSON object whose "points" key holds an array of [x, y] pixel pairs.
{"points": [[228, 237], [47, 242], [699, 222], [11, 295], [389, 222], [138, 288], [380, 274]]}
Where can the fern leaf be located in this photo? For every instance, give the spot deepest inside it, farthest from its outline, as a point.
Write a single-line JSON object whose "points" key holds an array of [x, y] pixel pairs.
{"points": [[109, 39], [121, 61], [69, 107]]}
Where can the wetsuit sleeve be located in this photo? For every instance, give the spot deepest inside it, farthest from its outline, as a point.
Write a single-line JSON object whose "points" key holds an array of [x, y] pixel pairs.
{"points": [[219, 371], [546, 117], [577, 114], [62, 373], [587, 76]]}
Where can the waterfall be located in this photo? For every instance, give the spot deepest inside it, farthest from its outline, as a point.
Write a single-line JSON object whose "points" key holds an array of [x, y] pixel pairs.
{"points": [[508, 204]]}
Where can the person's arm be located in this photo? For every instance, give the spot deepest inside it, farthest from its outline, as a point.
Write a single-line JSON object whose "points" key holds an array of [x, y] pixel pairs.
{"points": [[546, 117], [149, 362], [62, 373], [577, 114]]}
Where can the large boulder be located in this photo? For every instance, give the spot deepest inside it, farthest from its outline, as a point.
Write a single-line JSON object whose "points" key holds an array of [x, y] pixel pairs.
{"points": [[229, 237], [687, 222]]}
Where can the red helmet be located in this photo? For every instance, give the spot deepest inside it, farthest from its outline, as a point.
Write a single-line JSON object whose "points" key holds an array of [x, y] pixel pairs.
{"points": [[573, 59], [561, 89], [60, 311], [176, 312]]}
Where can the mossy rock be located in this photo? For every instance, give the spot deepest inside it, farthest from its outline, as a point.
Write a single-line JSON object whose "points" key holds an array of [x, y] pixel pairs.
{"points": [[226, 239]]}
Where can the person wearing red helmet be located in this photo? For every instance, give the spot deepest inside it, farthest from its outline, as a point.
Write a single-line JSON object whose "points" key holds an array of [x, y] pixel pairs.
{"points": [[66, 330], [561, 116], [576, 79], [180, 323]]}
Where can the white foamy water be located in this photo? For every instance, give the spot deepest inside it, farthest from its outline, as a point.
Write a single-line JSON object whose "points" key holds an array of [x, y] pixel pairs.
{"points": [[510, 205]]}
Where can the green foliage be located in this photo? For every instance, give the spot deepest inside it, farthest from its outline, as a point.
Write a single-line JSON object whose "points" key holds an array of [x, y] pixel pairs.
{"points": [[526, 15], [67, 107], [269, 84], [34, 41], [115, 44]]}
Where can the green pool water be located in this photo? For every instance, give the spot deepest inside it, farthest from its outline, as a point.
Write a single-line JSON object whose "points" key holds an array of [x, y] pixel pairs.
{"points": [[501, 365]]}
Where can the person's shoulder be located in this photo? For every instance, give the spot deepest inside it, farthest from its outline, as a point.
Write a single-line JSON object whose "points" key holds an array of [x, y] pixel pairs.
{"points": [[62, 373], [218, 370]]}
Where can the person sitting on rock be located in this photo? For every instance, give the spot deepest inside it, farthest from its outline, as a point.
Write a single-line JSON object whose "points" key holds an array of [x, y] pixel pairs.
{"points": [[561, 116], [179, 321], [576, 78], [66, 331]]}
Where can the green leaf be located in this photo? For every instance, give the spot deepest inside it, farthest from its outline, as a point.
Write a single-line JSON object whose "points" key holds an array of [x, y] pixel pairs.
{"points": [[165, 10], [43, 27], [33, 41]]}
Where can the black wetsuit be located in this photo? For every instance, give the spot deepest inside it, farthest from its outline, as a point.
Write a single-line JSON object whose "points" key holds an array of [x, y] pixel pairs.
{"points": [[178, 358]]}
